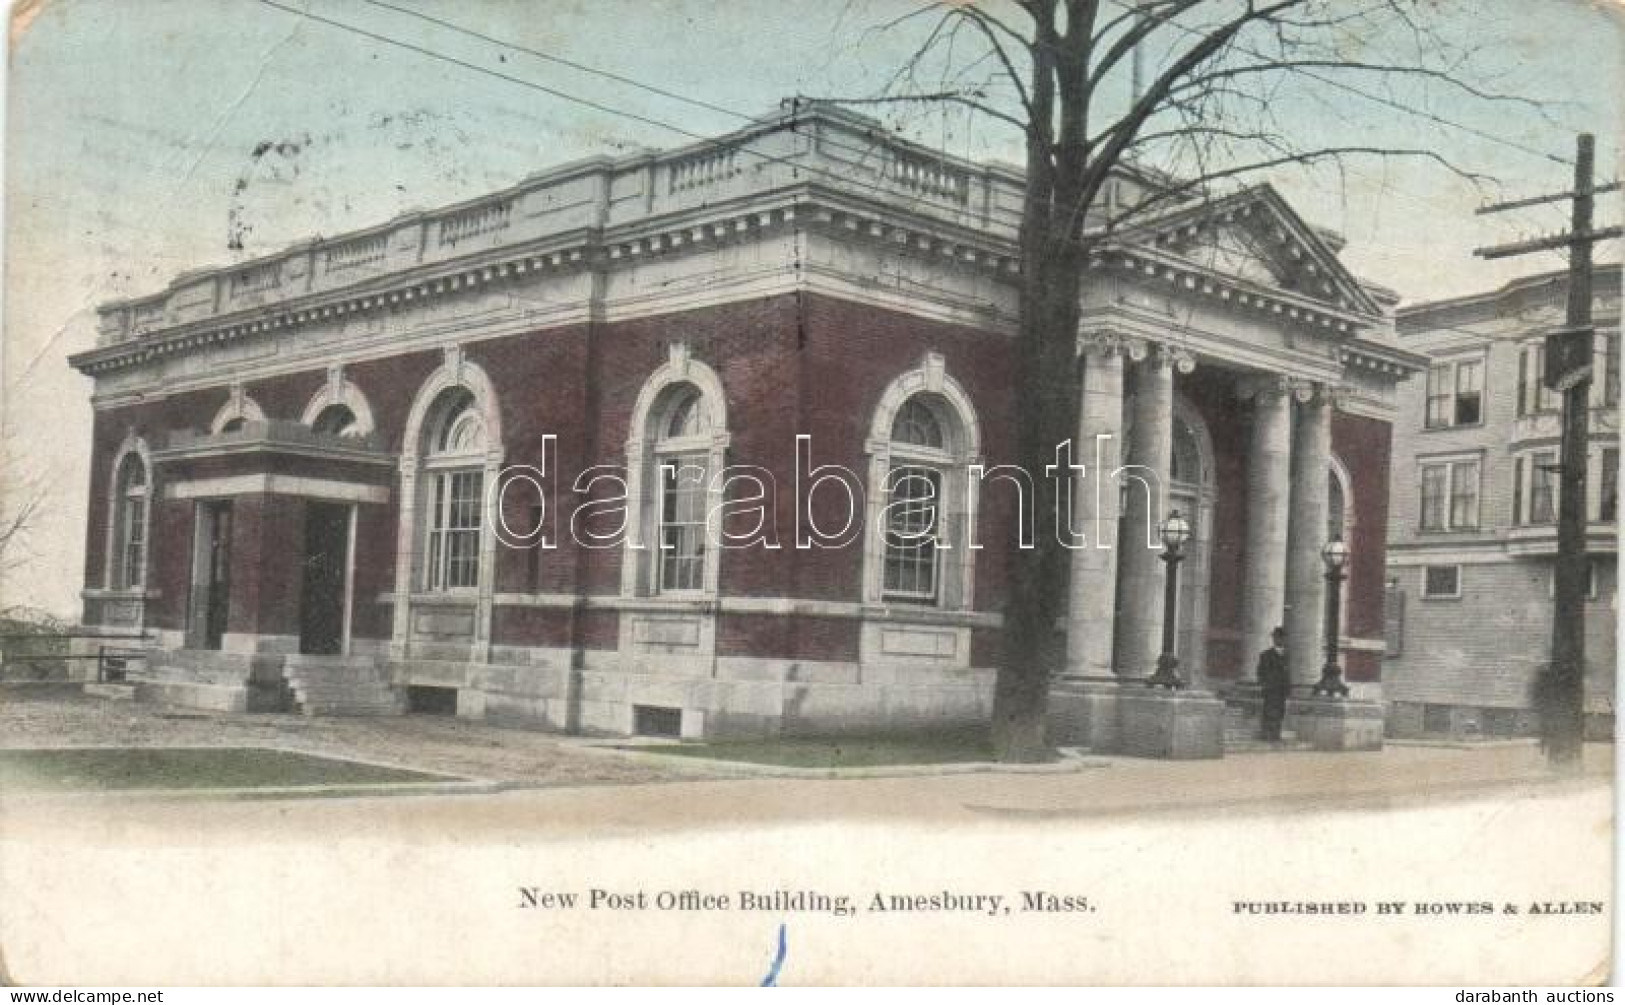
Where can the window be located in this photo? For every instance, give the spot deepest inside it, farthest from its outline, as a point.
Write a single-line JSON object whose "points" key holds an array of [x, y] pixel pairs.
{"points": [[684, 486], [1441, 581], [1533, 394], [454, 530], [923, 439], [676, 468], [1336, 508], [1438, 395], [912, 528], [1450, 495], [1464, 495], [336, 420], [914, 519], [1469, 392], [456, 494], [1543, 487], [338, 408], [131, 524], [1608, 486], [1455, 394]]}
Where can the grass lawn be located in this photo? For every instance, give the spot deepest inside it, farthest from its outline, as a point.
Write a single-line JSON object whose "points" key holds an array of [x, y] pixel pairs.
{"points": [[855, 751], [110, 769]]}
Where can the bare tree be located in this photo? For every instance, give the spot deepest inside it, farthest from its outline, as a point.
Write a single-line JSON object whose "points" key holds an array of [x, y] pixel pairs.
{"points": [[1094, 86], [22, 498]]}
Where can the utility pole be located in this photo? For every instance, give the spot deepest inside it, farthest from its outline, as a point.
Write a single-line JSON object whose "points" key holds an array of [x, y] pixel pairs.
{"points": [[1560, 690]]}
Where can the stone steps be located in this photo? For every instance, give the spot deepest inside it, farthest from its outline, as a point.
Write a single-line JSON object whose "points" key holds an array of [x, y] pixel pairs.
{"points": [[336, 685], [117, 692]]}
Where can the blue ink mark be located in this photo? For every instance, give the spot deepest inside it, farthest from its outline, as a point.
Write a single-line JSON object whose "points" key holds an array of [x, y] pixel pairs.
{"points": [[772, 978]]}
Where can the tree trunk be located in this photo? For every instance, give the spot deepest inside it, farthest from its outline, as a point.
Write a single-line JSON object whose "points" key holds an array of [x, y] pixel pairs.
{"points": [[1046, 404]]}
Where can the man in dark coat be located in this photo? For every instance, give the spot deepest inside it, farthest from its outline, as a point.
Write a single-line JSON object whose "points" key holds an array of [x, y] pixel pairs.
{"points": [[1273, 678]]}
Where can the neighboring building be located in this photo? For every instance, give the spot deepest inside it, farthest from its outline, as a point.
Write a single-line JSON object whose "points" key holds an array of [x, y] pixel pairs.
{"points": [[1473, 538], [291, 454]]}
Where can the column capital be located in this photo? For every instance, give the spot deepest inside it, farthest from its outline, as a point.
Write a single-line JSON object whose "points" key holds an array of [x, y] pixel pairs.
{"points": [[1263, 386], [1319, 393], [1105, 343], [1179, 358]]}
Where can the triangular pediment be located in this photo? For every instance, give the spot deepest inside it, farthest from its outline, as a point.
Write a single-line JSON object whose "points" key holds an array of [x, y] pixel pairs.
{"points": [[1254, 236]]}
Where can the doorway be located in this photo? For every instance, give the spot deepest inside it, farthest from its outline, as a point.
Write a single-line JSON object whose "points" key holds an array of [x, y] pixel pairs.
{"points": [[324, 587], [211, 575]]}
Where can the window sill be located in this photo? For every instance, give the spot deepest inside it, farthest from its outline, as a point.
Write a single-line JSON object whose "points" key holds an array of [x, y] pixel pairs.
{"points": [[462, 595]]}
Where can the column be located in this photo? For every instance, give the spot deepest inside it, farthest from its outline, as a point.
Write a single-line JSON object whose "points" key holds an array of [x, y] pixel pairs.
{"points": [[1093, 592], [1306, 534], [1140, 582], [1269, 486]]}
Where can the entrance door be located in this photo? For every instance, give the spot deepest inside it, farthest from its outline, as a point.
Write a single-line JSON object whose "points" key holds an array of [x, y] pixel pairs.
{"points": [[211, 575], [322, 595]]}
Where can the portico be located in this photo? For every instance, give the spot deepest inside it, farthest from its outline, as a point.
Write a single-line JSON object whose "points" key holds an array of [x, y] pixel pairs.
{"points": [[1170, 347]]}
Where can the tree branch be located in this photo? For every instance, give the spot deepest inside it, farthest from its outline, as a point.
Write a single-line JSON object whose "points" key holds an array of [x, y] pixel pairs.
{"points": [[1299, 157]]}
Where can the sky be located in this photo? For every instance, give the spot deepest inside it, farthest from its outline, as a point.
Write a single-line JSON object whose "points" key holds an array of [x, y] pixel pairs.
{"points": [[136, 148]]}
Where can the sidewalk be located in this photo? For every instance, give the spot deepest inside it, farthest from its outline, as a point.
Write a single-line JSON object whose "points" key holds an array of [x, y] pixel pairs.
{"points": [[561, 787]]}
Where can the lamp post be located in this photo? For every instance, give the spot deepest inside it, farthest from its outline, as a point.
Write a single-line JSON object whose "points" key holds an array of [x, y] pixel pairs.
{"points": [[1336, 555], [1175, 531]]}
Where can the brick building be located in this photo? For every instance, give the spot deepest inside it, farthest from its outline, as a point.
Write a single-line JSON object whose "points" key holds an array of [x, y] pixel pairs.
{"points": [[293, 455], [1473, 537]]}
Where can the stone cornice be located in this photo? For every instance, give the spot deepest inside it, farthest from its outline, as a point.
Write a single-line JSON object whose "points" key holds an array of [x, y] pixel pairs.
{"points": [[810, 207], [1243, 294], [1384, 360]]}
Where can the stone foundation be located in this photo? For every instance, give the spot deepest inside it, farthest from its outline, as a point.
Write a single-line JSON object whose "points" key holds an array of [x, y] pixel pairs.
{"points": [[1336, 723], [1133, 719], [1176, 725], [1085, 714]]}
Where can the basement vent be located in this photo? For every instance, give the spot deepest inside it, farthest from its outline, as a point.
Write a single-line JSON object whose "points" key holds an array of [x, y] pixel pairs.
{"points": [[431, 700], [653, 720]]}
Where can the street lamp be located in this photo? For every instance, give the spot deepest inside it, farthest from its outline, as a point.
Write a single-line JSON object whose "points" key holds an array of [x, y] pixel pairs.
{"points": [[1336, 555], [1175, 531]]}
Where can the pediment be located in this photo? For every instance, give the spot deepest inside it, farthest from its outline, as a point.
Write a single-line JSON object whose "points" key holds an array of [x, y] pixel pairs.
{"points": [[1254, 236]]}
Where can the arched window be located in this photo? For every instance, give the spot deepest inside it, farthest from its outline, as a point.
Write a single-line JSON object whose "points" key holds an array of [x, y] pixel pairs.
{"points": [[338, 408], [923, 438], [1186, 460], [335, 420], [1335, 527], [130, 524], [914, 501], [238, 411], [681, 458], [675, 450], [917, 425], [454, 463]]}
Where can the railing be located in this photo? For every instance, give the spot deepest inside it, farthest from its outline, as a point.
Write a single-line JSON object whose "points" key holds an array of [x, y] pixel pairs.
{"points": [[472, 222], [112, 662], [257, 279], [703, 169], [143, 315], [352, 254], [930, 177], [937, 184]]}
